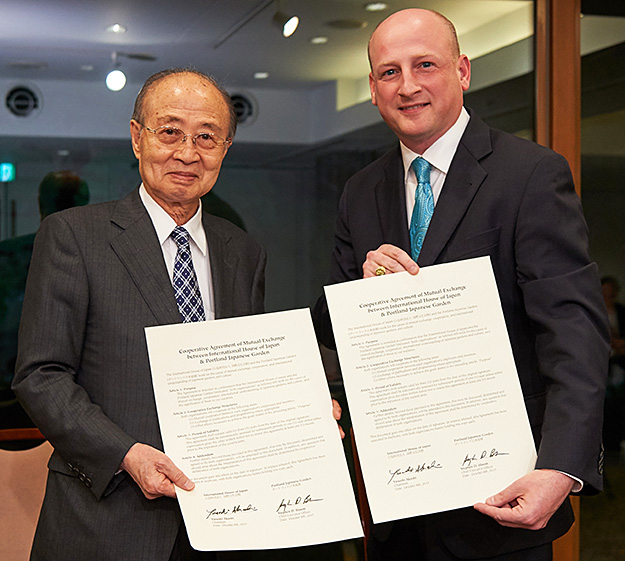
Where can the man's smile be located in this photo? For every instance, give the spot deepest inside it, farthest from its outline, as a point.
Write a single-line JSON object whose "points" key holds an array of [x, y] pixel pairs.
{"points": [[413, 107]]}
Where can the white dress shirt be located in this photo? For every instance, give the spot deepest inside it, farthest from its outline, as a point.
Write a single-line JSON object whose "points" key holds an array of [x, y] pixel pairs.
{"points": [[164, 225], [439, 155]]}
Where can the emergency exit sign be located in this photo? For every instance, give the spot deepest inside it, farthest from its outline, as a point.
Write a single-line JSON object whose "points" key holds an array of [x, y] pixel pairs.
{"points": [[7, 173]]}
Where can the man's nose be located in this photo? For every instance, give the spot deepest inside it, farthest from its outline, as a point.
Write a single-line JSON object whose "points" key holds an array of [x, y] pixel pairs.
{"points": [[186, 150], [409, 83]]}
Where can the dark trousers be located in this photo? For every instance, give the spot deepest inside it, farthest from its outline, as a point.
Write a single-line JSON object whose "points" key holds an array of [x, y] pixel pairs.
{"points": [[183, 551], [421, 542]]}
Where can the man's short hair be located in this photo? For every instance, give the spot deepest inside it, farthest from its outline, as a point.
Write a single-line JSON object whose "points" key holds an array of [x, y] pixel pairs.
{"points": [[60, 190], [138, 114], [608, 279]]}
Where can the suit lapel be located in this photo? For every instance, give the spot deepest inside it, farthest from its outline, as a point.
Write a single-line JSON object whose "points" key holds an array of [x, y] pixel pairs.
{"points": [[137, 247], [223, 267], [462, 183], [391, 202]]}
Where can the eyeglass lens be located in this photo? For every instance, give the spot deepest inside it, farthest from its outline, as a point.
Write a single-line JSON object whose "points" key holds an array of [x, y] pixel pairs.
{"points": [[170, 136]]}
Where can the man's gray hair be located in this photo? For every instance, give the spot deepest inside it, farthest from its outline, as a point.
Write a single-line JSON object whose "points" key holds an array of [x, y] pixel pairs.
{"points": [[138, 111]]}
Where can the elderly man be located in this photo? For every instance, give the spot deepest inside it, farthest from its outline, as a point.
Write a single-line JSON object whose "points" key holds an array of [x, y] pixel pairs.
{"points": [[99, 275], [455, 189]]}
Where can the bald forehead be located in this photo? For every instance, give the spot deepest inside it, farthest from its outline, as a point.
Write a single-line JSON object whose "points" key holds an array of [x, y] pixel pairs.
{"points": [[416, 17], [176, 83]]}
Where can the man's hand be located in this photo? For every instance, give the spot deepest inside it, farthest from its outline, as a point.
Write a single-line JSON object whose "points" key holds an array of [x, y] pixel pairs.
{"points": [[390, 258], [530, 501], [154, 472], [336, 412]]}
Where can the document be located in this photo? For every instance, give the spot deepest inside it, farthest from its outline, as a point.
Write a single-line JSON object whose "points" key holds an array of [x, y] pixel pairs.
{"points": [[435, 401], [245, 412]]}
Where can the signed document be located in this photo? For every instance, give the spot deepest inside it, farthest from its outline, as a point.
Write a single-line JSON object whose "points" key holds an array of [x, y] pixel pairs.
{"points": [[245, 412], [434, 397]]}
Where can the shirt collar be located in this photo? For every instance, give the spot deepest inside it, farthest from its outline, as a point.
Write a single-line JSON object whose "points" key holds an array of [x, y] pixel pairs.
{"points": [[443, 150], [164, 224]]}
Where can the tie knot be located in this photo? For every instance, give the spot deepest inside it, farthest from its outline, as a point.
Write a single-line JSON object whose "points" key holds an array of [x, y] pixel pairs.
{"points": [[180, 236], [422, 169]]}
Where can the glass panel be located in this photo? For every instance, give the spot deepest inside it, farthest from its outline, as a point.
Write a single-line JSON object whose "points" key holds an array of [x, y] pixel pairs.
{"points": [[296, 225], [603, 196], [284, 192]]}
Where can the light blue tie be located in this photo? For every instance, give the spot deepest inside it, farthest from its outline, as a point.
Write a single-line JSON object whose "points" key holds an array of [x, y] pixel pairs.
{"points": [[186, 288], [423, 206]]}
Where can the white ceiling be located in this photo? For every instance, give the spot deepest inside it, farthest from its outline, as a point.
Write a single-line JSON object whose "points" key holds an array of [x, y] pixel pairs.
{"points": [[57, 39]]}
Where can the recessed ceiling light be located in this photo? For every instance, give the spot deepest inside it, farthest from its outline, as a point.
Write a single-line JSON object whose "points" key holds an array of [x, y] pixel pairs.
{"points": [[319, 40], [376, 6], [261, 75], [116, 28]]}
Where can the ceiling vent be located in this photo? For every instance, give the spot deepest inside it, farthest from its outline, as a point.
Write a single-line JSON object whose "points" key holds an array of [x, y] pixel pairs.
{"points": [[22, 101], [245, 109]]}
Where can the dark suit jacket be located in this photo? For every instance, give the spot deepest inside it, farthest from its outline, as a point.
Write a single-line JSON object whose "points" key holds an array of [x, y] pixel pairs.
{"points": [[514, 201], [97, 279]]}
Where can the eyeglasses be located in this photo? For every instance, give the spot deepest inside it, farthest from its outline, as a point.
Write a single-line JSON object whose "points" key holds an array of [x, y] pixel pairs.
{"points": [[172, 136]]}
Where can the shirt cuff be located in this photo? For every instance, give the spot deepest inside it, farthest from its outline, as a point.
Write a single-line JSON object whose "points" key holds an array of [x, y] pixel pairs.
{"points": [[577, 486]]}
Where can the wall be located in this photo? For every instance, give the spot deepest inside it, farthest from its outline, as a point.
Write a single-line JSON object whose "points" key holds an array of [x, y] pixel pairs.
{"points": [[89, 110]]}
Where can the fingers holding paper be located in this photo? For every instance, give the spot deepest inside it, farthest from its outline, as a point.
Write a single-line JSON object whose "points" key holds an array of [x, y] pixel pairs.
{"points": [[154, 472], [530, 501], [388, 259], [336, 413]]}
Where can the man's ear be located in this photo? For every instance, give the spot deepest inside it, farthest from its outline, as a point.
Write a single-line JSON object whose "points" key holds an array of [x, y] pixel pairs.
{"points": [[135, 133], [464, 72]]}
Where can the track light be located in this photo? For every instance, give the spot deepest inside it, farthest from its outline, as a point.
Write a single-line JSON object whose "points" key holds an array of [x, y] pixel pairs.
{"points": [[288, 24], [115, 79]]}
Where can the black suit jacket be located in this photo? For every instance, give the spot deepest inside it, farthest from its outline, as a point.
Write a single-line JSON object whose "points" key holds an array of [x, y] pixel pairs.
{"points": [[514, 201], [96, 280]]}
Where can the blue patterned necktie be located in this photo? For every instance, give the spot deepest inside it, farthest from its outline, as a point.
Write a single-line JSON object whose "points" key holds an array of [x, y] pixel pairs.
{"points": [[423, 206], [186, 288]]}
